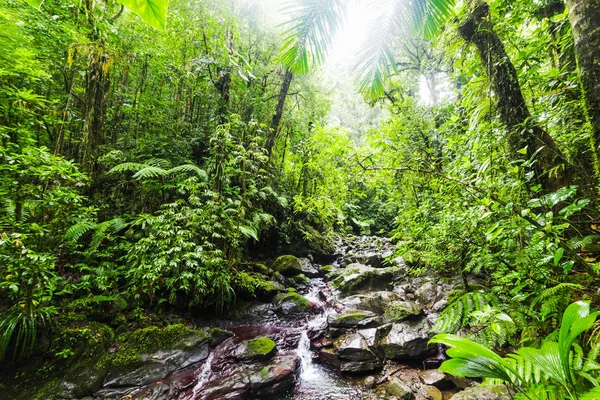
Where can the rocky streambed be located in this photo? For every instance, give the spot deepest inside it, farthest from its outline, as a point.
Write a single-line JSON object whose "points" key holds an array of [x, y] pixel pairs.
{"points": [[357, 328]]}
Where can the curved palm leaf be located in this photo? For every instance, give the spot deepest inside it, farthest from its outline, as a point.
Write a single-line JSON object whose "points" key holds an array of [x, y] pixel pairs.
{"points": [[309, 32]]}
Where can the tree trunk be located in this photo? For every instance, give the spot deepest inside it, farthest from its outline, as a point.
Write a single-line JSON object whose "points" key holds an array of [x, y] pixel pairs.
{"points": [[523, 132], [283, 92], [585, 20]]}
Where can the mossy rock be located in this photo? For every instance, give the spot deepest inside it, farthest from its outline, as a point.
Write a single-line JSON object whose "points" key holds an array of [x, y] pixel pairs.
{"points": [[291, 303], [401, 310], [260, 348], [71, 369], [325, 269], [287, 265], [301, 279], [150, 354], [260, 268], [354, 319]]}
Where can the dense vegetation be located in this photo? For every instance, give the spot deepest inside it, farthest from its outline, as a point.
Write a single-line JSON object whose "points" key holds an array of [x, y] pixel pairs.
{"points": [[142, 169]]}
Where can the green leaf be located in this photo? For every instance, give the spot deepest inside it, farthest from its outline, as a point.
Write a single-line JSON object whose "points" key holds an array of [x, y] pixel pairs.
{"points": [[35, 3], [153, 12], [558, 255]]}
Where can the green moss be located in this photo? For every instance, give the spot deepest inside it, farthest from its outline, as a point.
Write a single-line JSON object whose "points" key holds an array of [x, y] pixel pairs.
{"points": [[351, 316], [287, 265], [260, 268], [147, 340], [301, 304], [261, 345], [301, 279], [325, 269]]}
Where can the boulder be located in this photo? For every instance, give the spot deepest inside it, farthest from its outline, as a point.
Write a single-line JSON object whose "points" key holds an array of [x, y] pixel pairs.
{"points": [[290, 303], [400, 310], [308, 269], [354, 319], [376, 302], [488, 392], [358, 277], [437, 378], [429, 393], [260, 348], [276, 377], [428, 294], [287, 265], [399, 389], [407, 340], [371, 258], [354, 354], [150, 354]]}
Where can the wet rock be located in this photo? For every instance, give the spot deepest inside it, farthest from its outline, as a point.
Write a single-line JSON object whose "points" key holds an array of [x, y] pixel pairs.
{"points": [[290, 303], [376, 302], [150, 354], [488, 392], [369, 382], [278, 376], [407, 340], [399, 389], [354, 319], [308, 269], [358, 277], [437, 378], [261, 348], [429, 393], [328, 356], [400, 310], [371, 258], [287, 265], [427, 294], [230, 387], [326, 269], [354, 354]]}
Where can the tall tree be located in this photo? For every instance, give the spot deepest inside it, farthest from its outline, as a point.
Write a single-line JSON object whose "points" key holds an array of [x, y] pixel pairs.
{"points": [[585, 20]]}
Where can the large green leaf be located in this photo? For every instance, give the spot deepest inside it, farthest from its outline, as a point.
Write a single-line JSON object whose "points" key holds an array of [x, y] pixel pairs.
{"points": [[153, 12], [471, 359]]}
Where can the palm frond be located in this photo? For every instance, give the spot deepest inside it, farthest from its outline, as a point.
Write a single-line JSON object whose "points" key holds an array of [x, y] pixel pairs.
{"points": [[75, 232], [189, 168], [427, 17], [377, 55], [309, 32], [151, 172], [127, 167]]}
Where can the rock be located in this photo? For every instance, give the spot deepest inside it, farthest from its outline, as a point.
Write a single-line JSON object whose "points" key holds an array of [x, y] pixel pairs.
{"points": [[407, 340], [488, 392], [290, 303], [358, 277], [150, 354], [328, 356], [326, 269], [373, 259], [354, 354], [429, 393], [287, 265], [276, 377], [369, 382], [308, 269], [354, 319], [427, 294], [437, 378], [261, 348], [376, 302], [230, 387], [400, 310], [399, 389]]}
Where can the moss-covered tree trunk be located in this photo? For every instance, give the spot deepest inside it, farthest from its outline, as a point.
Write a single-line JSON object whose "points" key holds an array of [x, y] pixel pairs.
{"points": [[550, 168], [585, 20], [274, 129]]}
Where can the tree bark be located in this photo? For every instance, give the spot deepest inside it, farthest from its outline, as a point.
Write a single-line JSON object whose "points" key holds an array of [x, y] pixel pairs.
{"points": [[283, 92], [585, 20], [513, 111]]}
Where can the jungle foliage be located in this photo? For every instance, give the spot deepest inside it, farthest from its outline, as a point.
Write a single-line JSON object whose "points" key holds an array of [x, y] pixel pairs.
{"points": [[141, 169]]}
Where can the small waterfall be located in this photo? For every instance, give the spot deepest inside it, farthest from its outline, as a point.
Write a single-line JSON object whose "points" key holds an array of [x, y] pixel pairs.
{"points": [[308, 371]]}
